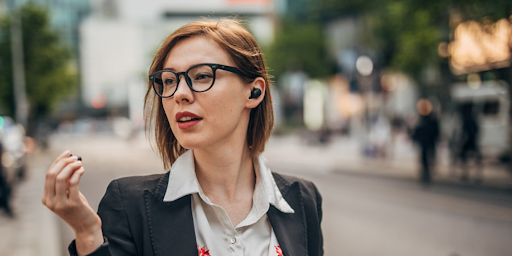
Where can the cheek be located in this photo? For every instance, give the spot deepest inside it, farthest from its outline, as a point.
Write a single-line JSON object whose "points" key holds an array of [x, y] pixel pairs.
{"points": [[223, 105], [168, 110], [226, 115]]}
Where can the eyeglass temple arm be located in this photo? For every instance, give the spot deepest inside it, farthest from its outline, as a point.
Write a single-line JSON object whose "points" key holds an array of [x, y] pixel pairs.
{"points": [[231, 69], [158, 81]]}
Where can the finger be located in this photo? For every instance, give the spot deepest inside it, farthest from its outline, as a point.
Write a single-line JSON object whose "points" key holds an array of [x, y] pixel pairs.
{"points": [[61, 181], [57, 166], [52, 174], [64, 154], [74, 190]]}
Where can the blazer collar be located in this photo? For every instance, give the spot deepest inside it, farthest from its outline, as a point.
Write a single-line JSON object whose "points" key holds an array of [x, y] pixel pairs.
{"points": [[171, 224]]}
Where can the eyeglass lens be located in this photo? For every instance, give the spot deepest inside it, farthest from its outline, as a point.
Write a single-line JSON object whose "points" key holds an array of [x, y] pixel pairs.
{"points": [[201, 79]]}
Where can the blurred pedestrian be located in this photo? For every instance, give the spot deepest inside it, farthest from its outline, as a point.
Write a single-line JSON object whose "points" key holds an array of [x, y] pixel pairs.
{"points": [[426, 134], [5, 190], [209, 103], [469, 142]]}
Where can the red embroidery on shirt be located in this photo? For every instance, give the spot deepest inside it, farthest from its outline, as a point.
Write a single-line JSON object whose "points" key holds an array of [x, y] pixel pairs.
{"points": [[278, 250], [202, 251]]}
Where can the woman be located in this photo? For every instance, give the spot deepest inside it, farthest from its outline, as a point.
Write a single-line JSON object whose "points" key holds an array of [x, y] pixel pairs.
{"points": [[209, 105]]}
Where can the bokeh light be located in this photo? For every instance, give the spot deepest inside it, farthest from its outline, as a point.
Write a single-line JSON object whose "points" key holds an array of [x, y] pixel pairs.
{"points": [[29, 144], [474, 81], [442, 50], [314, 99], [476, 46], [389, 82], [7, 159], [364, 65], [99, 100]]}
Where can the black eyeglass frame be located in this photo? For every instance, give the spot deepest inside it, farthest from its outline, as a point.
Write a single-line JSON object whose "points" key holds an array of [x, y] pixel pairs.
{"points": [[213, 66]]}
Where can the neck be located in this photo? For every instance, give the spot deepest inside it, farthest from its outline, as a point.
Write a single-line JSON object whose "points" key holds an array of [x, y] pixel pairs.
{"points": [[225, 174]]}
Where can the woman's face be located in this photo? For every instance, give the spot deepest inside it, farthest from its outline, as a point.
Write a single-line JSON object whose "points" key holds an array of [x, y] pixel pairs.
{"points": [[212, 118]]}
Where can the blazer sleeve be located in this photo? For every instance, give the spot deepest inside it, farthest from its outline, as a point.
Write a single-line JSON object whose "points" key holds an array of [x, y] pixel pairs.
{"points": [[319, 210], [313, 208], [118, 239]]}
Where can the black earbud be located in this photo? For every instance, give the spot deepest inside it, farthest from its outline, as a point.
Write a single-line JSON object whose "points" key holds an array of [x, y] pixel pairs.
{"points": [[255, 93]]}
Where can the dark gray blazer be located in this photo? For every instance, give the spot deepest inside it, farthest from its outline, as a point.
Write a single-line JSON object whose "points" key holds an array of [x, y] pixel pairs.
{"points": [[136, 220]]}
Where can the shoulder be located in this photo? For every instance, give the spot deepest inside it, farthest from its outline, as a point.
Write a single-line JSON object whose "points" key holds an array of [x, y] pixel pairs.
{"points": [[134, 186], [285, 182], [288, 180], [149, 182]]}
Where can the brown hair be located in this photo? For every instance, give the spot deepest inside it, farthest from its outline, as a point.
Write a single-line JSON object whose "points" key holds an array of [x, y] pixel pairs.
{"points": [[246, 54]]}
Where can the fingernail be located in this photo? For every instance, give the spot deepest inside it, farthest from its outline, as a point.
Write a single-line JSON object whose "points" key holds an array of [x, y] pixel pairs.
{"points": [[64, 153], [74, 157]]}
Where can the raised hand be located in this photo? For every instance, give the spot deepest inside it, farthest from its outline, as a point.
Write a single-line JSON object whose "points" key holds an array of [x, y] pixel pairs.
{"points": [[63, 197]]}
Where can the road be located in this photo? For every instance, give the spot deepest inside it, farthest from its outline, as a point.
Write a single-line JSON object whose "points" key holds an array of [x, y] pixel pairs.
{"points": [[364, 214]]}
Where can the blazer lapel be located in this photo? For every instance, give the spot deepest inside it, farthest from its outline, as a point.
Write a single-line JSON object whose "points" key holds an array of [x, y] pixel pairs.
{"points": [[290, 228], [171, 224]]}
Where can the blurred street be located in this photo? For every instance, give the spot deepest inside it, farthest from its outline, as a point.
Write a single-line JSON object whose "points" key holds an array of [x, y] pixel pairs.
{"points": [[375, 207], [398, 110]]}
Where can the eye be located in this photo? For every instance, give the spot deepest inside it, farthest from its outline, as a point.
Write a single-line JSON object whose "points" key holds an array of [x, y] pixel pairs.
{"points": [[170, 81], [203, 76]]}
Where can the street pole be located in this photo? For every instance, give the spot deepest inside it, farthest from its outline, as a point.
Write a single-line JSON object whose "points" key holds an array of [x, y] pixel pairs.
{"points": [[20, 98]]}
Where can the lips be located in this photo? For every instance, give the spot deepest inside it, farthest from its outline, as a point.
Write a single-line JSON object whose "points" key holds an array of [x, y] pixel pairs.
{"points": [[187, 120]]}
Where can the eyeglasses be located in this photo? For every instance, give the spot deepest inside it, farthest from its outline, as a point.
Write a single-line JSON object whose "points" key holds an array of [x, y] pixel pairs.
{"points": [[199, 78]]}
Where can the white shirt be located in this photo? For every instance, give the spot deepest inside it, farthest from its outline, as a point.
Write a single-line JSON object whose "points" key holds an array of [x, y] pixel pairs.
{"points": [[215, 234]]}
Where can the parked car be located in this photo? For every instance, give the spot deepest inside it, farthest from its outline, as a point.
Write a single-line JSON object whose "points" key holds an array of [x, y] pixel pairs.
{"points": [[13, 155], [12, 158]]}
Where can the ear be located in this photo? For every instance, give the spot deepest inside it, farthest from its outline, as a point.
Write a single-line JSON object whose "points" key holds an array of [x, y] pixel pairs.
{"points": [[259, 83]]}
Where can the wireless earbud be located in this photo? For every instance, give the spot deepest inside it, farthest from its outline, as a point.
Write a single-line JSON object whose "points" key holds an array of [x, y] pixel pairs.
{"points": [[255, 93]]}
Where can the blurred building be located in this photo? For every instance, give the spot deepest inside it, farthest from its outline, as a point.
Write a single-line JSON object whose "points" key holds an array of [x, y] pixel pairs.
{"points": [[65, 16]]}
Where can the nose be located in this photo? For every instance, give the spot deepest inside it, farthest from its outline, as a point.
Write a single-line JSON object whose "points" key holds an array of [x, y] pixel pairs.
{"points": [[183, 92]]}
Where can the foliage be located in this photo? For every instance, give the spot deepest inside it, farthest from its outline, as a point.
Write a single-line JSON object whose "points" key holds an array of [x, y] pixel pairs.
{"points": [[299, 46], [47, 63], [407, 32], [480, 10]]}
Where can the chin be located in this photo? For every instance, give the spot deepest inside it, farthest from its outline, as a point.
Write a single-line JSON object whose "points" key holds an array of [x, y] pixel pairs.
{"points": [[190, 143]]}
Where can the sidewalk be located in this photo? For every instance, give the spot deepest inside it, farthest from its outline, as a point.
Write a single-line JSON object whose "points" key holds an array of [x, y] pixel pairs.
{"points": [[33, 229], [344, 154]]}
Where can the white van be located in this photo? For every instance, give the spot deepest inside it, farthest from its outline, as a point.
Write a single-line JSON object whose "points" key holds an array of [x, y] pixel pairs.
{"points": [[491, 106]]}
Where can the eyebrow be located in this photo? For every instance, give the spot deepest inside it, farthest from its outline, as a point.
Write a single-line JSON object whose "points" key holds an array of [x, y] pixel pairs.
{"points": [[172, 69]]}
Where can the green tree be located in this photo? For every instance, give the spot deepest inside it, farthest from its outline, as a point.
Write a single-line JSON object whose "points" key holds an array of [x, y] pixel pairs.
{"points": [[299, 46], [407, 33], [47, 64]]}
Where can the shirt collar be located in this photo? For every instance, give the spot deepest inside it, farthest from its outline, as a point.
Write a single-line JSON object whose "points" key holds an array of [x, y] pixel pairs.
{"points": [[182, 178], [183, 181], [272, 192]]}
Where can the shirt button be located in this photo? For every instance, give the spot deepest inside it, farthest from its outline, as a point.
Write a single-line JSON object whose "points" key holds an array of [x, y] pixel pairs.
{"points": [[233, 240]]}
